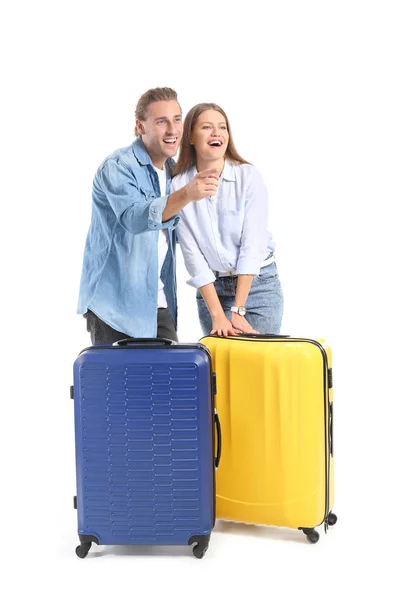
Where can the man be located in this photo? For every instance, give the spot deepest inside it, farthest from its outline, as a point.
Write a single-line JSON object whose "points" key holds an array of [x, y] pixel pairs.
{"points": [[128, 283]]}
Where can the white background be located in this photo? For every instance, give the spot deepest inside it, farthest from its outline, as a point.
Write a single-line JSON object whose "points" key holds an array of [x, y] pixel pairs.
{"points": [[307, 88]]}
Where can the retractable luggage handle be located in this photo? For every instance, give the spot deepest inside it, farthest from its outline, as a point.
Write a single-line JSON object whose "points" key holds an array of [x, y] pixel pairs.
{"points": [[218, 429], [146, 341]]}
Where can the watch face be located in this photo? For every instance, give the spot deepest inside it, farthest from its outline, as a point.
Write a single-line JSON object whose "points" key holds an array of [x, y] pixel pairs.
{"points": [[242, 311]]}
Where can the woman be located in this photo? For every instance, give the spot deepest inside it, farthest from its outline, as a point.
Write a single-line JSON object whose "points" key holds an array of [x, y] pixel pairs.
{"points": [[227, 248]]}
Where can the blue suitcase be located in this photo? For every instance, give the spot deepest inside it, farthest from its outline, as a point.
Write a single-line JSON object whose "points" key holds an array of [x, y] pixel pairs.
{"points": [[144, 441]]}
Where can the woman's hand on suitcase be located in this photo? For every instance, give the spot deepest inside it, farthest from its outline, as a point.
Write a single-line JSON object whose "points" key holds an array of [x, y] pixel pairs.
{"points": [[241, 324], [222, 326]]}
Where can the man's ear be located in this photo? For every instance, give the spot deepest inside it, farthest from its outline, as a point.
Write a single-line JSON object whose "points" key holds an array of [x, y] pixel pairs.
{"points": [[140, 127]]}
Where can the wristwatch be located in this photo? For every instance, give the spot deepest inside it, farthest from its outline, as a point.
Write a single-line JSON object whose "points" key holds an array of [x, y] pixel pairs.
{"points": [[240, 310]]}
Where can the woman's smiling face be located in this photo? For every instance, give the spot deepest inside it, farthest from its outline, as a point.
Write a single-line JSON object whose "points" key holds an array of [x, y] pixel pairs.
{"points": [[210, 135]]}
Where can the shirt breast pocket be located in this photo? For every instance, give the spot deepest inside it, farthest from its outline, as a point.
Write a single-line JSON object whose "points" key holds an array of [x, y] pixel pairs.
{"points": [[229, 212], [232, 203], [232, 221]]}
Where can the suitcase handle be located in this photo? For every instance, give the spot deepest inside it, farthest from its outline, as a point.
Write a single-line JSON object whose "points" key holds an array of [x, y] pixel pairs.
{"points": [[262, 336], [148, 341], [218, 429], [331, 427]]}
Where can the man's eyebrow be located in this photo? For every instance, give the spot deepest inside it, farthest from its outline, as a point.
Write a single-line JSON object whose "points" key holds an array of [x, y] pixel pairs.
{"points": [[160, 118]]}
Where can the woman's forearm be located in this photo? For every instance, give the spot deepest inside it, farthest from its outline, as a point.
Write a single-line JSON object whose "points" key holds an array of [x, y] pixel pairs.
{"points": [[243, 288], [213, 303]]}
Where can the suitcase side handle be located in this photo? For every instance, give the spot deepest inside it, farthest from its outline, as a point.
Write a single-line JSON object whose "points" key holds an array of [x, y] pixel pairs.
{"points": [[331, 427], [262, 336], [218, 429], [146, 341]]}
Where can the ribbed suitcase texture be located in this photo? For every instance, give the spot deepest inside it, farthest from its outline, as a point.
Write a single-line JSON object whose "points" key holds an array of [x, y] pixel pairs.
{"points": [[144, 445], [275, 401]]}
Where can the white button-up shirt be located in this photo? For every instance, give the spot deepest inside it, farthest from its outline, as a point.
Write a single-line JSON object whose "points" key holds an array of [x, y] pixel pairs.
{"points": [[227, 231]]}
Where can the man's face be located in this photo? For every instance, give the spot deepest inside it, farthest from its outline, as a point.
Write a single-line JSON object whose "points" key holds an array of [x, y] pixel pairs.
{"points": [[162, 130]]}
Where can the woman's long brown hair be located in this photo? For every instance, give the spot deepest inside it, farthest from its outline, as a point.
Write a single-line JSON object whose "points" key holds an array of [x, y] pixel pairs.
{"points": [[187, 154]]}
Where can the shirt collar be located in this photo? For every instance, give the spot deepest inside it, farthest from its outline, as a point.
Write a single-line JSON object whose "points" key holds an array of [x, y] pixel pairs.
{"points": [[143, 157], [140, 152], [228, 172]]}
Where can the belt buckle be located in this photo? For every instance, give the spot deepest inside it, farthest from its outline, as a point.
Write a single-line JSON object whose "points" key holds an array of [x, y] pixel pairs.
{"points": [[219, 274]]}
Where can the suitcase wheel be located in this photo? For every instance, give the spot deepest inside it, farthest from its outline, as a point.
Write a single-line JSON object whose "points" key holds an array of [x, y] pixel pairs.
{"points": [[201, 544], [313, 537], [311, 534], [199, 551], [83, 550], [332, 519]]}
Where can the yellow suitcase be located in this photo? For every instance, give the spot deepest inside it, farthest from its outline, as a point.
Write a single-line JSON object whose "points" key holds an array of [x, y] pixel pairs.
{"points": [[275, 401]]}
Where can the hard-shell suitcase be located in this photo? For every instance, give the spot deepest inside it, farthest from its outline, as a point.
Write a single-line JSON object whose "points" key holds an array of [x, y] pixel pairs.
{"points": [[275, 401], [144, 440]]}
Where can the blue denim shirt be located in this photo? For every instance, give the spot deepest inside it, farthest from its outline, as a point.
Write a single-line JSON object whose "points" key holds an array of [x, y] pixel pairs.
{"points": [[119, 280]]}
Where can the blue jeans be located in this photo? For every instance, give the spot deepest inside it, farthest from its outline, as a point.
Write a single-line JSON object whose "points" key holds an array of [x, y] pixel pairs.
{"points": [[264, 303]]}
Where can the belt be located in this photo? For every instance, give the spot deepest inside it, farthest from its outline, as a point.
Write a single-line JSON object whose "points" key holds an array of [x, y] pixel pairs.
{"points": [[232, 272]]}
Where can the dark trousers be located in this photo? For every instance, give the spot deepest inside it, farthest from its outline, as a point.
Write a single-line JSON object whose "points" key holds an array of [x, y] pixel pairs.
{"points": [[101, 333]]}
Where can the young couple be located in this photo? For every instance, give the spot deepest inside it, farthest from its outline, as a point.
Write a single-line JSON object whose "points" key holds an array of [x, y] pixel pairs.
{"points": [[212, 200]]}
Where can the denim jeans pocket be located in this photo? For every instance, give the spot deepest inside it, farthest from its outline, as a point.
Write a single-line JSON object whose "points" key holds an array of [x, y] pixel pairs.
{"points": [[268, 273]]}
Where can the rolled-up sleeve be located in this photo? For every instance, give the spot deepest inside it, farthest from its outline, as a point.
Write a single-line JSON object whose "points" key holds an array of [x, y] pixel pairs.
{"points": [[156, 208], [254, 238], [134, 210], [194, 260]]}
